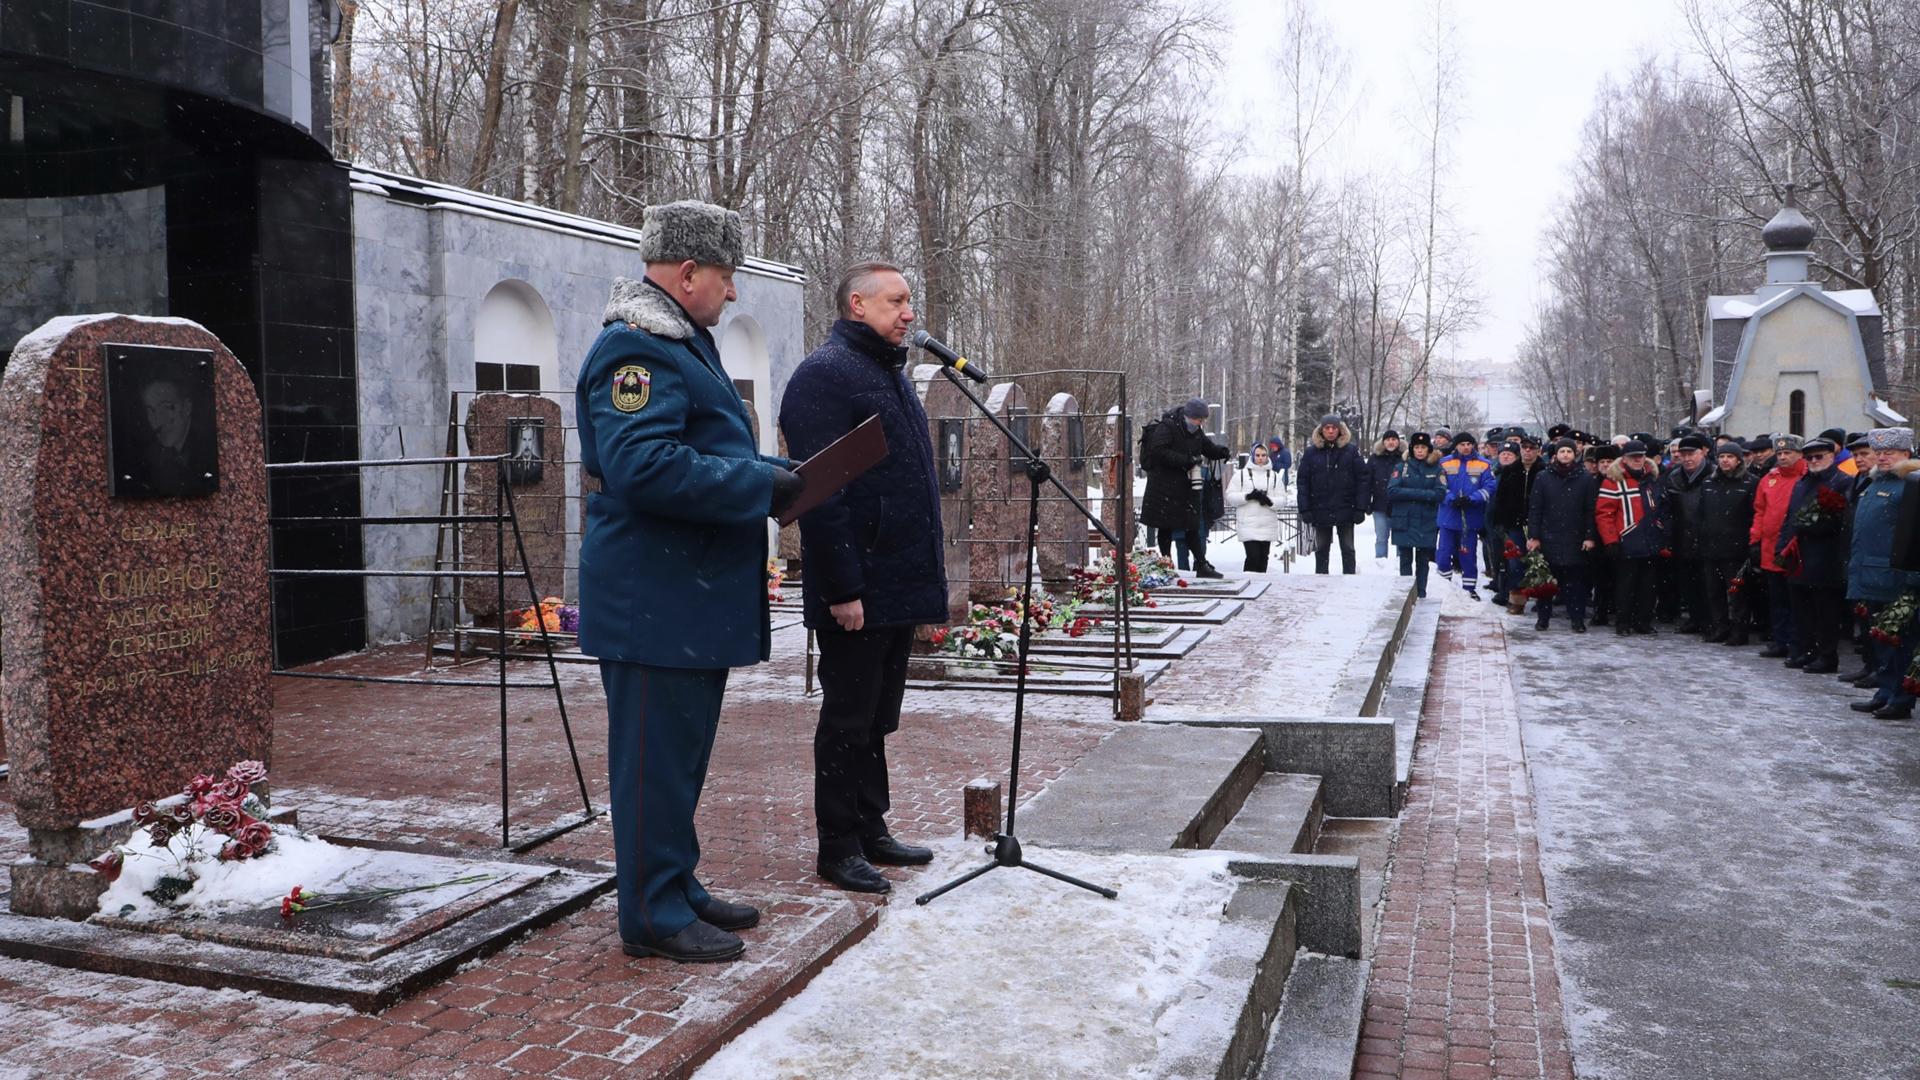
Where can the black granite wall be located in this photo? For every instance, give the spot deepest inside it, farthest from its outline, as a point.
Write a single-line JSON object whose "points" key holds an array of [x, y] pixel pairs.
{"points": [[223, 102]]}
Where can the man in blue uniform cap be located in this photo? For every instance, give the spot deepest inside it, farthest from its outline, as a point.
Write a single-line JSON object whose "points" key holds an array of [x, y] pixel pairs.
{"points": [[673, 564]]}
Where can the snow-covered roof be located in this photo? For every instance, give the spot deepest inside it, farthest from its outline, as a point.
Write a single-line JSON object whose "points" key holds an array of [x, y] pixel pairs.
{"points": [[1858, 301], [412, 189], [1883, 412]]}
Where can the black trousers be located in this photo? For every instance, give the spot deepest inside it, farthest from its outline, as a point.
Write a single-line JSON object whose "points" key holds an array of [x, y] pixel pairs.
{"points": [[1323, 544], [1724, 612], [1601, 572], [1256, 555], [1574, 587], [863, 677], [1634, 580], [1816, 618]]}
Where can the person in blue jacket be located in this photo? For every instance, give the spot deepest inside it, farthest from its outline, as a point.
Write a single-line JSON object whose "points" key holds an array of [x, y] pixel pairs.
{"points": [[1871, 577], [1416, 488], [875, 567], [673, 566], [1463, 512]]}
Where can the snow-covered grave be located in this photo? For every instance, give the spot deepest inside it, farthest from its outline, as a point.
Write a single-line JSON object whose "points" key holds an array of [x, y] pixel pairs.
{"points": [[1016, 975]]}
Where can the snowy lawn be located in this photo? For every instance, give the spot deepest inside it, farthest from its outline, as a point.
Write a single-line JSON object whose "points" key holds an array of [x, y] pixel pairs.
{"points": [[1014, 975]]}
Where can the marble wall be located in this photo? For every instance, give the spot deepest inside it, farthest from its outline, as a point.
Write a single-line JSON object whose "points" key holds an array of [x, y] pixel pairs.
{"points": [[84, 253], [421, 274]]}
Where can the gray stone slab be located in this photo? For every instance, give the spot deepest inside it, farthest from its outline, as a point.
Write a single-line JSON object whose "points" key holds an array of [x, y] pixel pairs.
{"points": [[1317, 1032], [1281, 816], [1147, 788], [1359, 692], [1406, 692], [1329, 903], [1352, 755], [1247, 970], [1732, 862]]}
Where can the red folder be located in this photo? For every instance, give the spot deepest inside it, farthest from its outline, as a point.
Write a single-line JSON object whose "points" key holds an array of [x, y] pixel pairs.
{"points": [[837, 466]]}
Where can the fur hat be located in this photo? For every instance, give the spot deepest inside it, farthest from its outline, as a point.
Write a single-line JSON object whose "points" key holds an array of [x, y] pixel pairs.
{"points": [[1606, 451], [1559, 431], [678, 231], [1784, 441], [1759, 444], [1420, 438], [1891, 438]]}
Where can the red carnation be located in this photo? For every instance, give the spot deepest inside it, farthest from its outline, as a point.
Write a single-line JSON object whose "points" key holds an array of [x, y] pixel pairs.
{"points": [[1830, 500], [1911, 685], [1183, 583]]}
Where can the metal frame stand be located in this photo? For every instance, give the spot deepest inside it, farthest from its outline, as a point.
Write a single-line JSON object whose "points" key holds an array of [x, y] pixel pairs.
{"points": [[1005, 849], [504, 518]]}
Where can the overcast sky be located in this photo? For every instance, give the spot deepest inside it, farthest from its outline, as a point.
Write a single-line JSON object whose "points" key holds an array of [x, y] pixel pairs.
{"points": [[1529, 69]]}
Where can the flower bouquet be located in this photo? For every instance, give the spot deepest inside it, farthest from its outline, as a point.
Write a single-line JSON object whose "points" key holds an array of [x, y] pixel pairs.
{"points": [[1099, 583], [212, 812], [776, 577], [1822, 512], [1894, 619], [1511, 551], [1536, 578]]}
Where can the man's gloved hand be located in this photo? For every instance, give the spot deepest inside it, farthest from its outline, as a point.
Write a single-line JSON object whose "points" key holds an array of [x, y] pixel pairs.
{"points": [[1461, 502], [786, 488], [1194, 461], [1753, 555]]}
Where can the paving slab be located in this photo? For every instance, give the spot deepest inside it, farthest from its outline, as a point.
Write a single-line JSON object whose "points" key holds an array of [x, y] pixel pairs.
{"points": [[1733, 858]]}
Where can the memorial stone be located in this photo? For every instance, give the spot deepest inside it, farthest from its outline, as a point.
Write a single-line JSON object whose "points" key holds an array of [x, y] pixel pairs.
{"points": [[946, 413], [137, 626], [530, 428], [1115, 473], [995, 545], [1063, 531]]}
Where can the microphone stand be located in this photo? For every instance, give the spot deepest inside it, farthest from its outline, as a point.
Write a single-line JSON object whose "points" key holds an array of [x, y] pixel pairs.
{"points": [[1005, 849]]}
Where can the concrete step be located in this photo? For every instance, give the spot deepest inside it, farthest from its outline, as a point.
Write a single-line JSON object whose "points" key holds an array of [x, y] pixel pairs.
{"points": [[1222, 1022], [1406, 692], [1281, 816], [1147, 788], [1317, 1033]]}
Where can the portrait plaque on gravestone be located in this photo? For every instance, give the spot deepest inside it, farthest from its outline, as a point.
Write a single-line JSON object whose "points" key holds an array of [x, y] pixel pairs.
{"points": [[527, 445], [1077, 441], [1022, 430], [953, 453], [161, 430]]}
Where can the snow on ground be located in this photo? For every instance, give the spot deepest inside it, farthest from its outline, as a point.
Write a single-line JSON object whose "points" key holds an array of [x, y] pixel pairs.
{"points": [[1013, 975]]}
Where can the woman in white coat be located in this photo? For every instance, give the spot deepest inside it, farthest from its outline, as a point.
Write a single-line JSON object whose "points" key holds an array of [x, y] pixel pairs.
{"points": [[1256, 494]]}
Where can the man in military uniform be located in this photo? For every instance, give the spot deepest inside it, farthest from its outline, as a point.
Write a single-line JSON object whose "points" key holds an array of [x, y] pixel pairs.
{"points": [[673, 564]]}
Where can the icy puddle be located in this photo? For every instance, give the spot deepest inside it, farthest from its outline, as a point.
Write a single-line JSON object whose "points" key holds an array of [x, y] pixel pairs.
{"points": [[1013, 975]]}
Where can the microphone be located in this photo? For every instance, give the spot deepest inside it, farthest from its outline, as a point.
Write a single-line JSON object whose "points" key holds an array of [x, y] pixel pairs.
{"points": [[941, 349]]}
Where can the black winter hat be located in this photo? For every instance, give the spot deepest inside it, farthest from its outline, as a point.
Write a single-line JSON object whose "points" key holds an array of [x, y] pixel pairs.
{"points": [[1495, 434], [1694, 441], [1559, 431], [1194, 409], [1391, 434], [1331, 418], [1510, 447], [1606, 451], [1758, 446], [1563, 443], [1420, 438], [1634, 446], [1465, 437], [1834, 435], [1645, 439], [1821, 445], [1857, 440], [1528, 439]]}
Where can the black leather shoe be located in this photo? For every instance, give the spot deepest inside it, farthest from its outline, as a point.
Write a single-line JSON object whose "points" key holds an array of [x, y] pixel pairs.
{"points": [[1600, 619], [1207, 571], [1649, 630], [1799, 661], [1868, 705], [1738, 641], [854, 874], [699, 943], [884, 850], [1689, 628], [1853, 676], [1623, 631], [1772, 652], [1541, 622], [1869, 681], [1891, 713], [1716, 637], [719, 913], [1825, 665], [1579, 627]]}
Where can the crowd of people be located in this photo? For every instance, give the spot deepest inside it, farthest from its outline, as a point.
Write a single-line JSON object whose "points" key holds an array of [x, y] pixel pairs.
{"points": [[1776, 541]]}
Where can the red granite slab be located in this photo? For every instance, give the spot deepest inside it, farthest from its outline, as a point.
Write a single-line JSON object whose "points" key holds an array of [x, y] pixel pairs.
{"points": [[137, 645]]}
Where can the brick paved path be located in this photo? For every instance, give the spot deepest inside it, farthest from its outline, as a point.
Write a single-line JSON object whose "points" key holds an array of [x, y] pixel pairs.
{"points": [[1464, 985]]}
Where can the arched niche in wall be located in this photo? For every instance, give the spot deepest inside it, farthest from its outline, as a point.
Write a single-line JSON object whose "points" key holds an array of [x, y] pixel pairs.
{"points": [[743, 352], [515, 348]]}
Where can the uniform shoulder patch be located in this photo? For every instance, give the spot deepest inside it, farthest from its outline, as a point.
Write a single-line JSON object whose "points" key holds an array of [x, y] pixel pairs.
{"points": [[631, 387]]}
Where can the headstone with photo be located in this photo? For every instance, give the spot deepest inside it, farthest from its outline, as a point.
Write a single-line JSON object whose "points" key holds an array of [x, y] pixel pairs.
{"points": [[1112, 436], [946, 413], [996, 543], [528, 428], [133, 583], [1063, 531]]}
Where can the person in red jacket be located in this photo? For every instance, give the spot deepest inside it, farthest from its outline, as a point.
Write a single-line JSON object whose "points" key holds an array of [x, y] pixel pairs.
{"points": [[1770, 503]]}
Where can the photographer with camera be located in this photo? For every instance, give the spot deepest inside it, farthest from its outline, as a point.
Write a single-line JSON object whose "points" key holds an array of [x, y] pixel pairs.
{"points": [[1255, 488]]}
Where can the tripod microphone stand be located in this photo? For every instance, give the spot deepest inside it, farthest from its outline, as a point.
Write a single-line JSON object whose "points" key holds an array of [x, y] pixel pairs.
{"points": [[1005, 849]]}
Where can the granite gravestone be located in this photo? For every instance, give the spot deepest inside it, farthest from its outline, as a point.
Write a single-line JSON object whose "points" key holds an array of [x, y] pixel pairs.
{"points": [[1111, 464], [946, 413], [529, 428], [999, 495], [137, 625], [1063, 530]]}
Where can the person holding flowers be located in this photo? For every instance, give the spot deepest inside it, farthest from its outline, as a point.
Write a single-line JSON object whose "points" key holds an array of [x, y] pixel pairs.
{"points": [[1813, 552], [1724, 522], [1560, 525], [1871, 579]]}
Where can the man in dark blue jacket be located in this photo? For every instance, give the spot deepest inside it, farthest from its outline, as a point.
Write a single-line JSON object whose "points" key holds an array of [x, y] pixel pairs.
{"points": [[673, 565], [874, 567]]}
